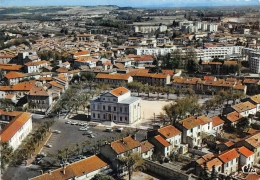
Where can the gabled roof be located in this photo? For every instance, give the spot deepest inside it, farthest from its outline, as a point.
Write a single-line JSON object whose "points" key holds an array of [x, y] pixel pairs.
{"points": [[112, 76], [62, 70], [234, 116], [76, 169], [252, 177], [190, 122], [228, 155], [245, 152], [146, 146], [12, 75], [23, 86], [38, 91], [204, 119], [169, 131], [124, 145], [216, 120], [254, 140], [10, 67], [13, 126], [256, 98], [213, 162], [162, 141], [119, 91], [244, 106], [10, 113]]}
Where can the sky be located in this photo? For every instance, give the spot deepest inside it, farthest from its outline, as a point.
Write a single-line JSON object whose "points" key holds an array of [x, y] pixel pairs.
{"points": [[132, 3]]}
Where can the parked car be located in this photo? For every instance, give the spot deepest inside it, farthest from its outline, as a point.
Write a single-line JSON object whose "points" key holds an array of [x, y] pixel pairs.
{"points": [[57, 131], [68, 122], [83, 129], [74, 123], [48, 145], [108, 130], [91, 135], [87, 133], [120, 129]]}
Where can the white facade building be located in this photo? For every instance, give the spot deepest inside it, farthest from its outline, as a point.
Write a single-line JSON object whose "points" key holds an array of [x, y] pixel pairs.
{"points": [[116, 106], [154, 51], [17, 130]]}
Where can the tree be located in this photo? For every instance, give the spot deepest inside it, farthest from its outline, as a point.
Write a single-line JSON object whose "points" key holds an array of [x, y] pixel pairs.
{"points": [[192, 66], [131, 163], [242, 124], [102, 177], [204, 175], [6, 154]]}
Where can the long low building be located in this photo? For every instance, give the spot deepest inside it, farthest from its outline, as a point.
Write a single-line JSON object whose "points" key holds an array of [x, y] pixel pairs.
{"points": [[17, 130]]}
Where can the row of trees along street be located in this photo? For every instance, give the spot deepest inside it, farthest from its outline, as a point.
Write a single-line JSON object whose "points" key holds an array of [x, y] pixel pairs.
{"points": [[26, 149], [189, 105]]}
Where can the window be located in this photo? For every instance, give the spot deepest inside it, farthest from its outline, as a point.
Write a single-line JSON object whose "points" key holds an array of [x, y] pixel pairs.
{"points": [[114, 117], [104, 99], [114, 108], [104, 116], [191, 130], [120, 118], [126, 118], [93, 106], [104, 107], [114, 99], [125, 109], [98, 115], [94, 115], [121, 109]]}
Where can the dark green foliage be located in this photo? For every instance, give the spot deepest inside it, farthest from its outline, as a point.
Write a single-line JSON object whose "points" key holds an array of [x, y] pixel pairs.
{"points": [[102, 177], [242, 124], [192, 66]]}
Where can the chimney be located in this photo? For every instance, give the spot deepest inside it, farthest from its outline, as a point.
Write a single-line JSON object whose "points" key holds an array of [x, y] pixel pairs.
{"points": [[64, 167], [133, 136]]}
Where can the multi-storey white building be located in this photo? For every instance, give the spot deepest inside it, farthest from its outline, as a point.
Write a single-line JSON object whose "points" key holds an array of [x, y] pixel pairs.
{"points": [[224, 52], [17, 130], [116, 106], [154, 51]]}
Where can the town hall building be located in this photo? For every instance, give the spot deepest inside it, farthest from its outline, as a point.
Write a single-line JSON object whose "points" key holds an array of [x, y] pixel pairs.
{"points": [[116, 106]]}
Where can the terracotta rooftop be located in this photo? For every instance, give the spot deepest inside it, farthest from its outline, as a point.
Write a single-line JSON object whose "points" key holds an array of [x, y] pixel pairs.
{"points": [[216, 120], [146, 146], [252, 177], [228, 155], [162, 141], [124, 145], [23, 86], [119, 91], [244, 106], [234, 116], [62, 70], [204, 119], [10, 67], [38, 91], [245, 152], [254, 140], [213, 162], [190, 122], [10, 113], [256, 98], [169, 131], [75, 169], [13, 126], [12, 75], [112, 76]]}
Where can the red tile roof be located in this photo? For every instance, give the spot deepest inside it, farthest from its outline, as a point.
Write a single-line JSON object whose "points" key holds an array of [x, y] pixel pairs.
{"points": [[252, 177], [62, 70], [216, 120], [13, 126], [146, 146], [169, 131], [119, 91], [76, 169], [10, 67], [234, 116], [190, 122], [124, 145], [228, 155], [213, 162], [245, 152], [12, 75], [112, 76], [38, 91], [162, 141], [23, 86]]}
